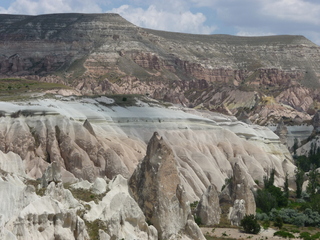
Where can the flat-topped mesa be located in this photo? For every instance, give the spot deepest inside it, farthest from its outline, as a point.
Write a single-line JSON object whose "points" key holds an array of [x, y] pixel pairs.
{"points": [[155, 185], [49, 43], [105, 54], [61, 27]]}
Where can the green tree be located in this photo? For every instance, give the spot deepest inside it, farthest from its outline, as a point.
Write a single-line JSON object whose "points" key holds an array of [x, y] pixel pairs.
{"points": [[269, 180], [312, 187], [250, 224], [265, 200], [295, 146], [299, 173], [286, 187], [271, 196], [315, 203]]}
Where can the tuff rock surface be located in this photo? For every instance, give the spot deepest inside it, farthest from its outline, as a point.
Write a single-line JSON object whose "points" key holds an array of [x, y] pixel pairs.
{"points": [[238, 196], [205, 144], [29, 212], [119, 215], [208, 209], [155, 185]]}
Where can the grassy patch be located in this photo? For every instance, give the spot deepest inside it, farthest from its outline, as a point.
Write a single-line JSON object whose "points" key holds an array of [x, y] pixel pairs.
{"points": [[284, 234], [17, 89], [86, 195], [93, 228], [77, 67], [36, 183]]}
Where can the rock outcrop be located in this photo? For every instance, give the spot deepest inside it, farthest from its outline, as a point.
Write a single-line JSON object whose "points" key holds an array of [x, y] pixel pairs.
{"points": [[118, 215], [54, 213], [208, 209], [26, 215], [155, 185], [282, 132], [238, 196]]}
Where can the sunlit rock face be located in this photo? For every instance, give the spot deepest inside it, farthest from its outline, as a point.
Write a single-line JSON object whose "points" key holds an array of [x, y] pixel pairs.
{"points": [[84, 142], [120, 214], [155, 185], [205, 144], [208, 208], [30, 211]]}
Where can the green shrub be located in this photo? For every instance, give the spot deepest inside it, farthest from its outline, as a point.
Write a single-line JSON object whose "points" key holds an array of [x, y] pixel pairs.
{"points": [[250, 224], [262, 217], [266, 224], [278, 222], [295, 230], [197, 220], [305, 236], [284, 234]]}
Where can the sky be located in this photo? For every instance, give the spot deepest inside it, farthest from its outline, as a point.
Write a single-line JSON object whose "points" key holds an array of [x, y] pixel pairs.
{"points": [[235, 17]]}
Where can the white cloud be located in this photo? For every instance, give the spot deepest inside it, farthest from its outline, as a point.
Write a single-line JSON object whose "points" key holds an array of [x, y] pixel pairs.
{"points": [[155, 18], [293, 10], [35, 7]]}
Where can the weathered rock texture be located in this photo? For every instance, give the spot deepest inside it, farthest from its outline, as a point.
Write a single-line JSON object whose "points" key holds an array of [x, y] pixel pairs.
{"points": [[53, 212], [205, 144], [208, 209], [238, 195], [103, 53], [119, 215], [155, 185]]}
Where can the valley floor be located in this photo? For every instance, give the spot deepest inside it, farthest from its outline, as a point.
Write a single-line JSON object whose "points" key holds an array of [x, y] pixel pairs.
{"points": [[234, 233]]}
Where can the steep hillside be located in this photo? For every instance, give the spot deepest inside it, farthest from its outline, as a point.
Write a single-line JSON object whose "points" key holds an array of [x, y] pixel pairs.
{"points": [[95, 137], [268, 78]]}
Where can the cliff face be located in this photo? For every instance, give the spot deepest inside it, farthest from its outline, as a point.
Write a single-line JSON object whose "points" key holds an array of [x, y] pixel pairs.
{"points": [[92, 137], [65, 139], [103, 53]]}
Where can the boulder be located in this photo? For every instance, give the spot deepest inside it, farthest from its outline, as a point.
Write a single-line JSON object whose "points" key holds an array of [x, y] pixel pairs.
{"points": [[237, 212]]}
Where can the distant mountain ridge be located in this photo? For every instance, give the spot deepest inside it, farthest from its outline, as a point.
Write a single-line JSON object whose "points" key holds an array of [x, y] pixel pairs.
{"points": [[105, 54]]}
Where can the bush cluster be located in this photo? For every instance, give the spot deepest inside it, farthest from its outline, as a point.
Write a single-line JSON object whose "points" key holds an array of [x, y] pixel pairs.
{"points": [[284, 234], [308, 236], [292, 216], [250, 224], [271, 196]]}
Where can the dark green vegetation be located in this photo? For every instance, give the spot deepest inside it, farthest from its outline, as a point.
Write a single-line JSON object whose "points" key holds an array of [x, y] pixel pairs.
{"points": [[16, 88], [250, 224], [270, 196], [307, 162], [308, 236], [273, 204], [284, 234]]}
